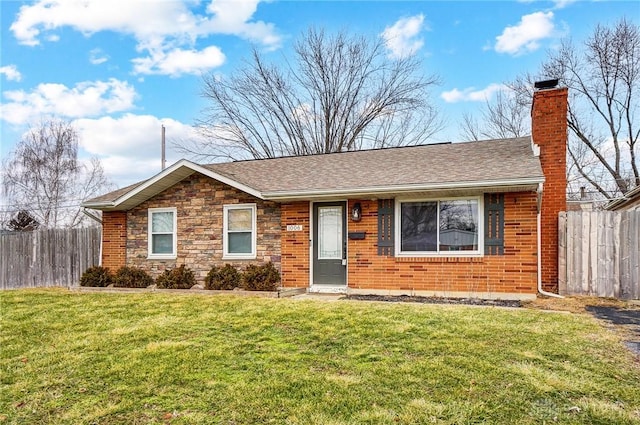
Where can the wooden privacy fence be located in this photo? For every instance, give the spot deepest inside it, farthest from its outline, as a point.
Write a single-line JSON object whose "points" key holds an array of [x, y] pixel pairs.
{"points": [[54, 257], [599, 253]]}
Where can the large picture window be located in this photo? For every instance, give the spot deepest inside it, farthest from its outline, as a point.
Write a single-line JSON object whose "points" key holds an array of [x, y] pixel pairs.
{"points": [[162, 232], [240, 231], [438, 227]]}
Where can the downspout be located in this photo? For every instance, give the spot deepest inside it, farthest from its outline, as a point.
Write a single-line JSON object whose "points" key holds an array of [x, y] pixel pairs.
{"points": [[539, 243]]}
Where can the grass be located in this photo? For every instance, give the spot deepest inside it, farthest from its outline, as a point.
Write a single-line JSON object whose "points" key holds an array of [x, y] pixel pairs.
{"points": [[158, 358]]}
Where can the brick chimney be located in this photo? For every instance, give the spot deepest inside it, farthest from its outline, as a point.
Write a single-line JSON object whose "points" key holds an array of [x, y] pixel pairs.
{"points": [[549, 132]]}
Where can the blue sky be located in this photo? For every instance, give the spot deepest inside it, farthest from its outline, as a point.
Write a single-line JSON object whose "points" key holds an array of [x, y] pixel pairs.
{"points": [[120, 69]]}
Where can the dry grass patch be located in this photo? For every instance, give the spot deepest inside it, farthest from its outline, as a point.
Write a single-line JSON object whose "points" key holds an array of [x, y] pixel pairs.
{"points": [[577, 304]]}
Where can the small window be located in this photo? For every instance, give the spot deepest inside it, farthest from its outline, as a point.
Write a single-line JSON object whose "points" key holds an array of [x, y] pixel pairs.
{"points": [[162, 233], [240, 231], [439, 227]]}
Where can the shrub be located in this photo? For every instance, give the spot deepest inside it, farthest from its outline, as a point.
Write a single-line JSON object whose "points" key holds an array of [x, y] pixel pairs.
{"points": [[178, 278], [227, 277], [96, 276], [261, 278], [132, 277]]}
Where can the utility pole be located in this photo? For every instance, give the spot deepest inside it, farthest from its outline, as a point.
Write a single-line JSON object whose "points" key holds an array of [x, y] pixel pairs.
{"points": [[164, 161]]}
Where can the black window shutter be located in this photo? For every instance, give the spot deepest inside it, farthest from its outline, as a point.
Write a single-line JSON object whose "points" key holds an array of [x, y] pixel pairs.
{"points": [[385, 227], [493, 224]]}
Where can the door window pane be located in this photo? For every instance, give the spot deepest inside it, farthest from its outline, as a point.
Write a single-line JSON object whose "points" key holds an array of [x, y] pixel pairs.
{"points": [[330, 233]]}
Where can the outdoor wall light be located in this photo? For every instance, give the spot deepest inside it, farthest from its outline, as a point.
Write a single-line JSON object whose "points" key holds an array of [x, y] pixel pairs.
{"points": [[356, 212]]}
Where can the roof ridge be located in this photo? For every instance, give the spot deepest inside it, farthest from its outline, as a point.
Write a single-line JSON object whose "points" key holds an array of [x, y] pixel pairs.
{"points": [[368, 150]]}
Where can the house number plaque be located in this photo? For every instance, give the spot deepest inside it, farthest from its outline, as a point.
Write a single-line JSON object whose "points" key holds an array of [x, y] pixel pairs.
{"points": [[294, 227]]}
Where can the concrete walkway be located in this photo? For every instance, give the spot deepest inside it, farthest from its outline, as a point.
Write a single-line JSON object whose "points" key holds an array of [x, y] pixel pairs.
{"points": [[318, 297]]}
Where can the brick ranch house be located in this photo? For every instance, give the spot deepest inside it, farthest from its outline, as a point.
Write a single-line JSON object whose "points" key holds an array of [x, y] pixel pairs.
{"points": [[461, 219]]}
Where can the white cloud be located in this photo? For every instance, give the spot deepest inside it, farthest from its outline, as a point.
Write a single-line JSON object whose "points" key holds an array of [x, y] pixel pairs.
{"points": [[561, 4], [178, 61], [526, 36], [87, 98], [401, 38], [233, 17], [97, 56], [140, 18], [470, 94], [129, 146], [11, 73], [161, 28]]}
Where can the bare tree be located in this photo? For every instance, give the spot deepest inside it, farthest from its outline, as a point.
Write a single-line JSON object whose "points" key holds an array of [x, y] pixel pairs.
{"points": [[604, 82], [340, 93], [507, 115], [44, 177]]}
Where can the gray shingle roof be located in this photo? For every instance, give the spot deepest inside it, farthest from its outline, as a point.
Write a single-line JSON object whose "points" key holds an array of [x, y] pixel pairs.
{"points": [[504, 159], [475, 164]]}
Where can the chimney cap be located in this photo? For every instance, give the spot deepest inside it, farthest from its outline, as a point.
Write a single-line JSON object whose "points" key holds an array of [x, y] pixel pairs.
{"points": [[546, 84]]}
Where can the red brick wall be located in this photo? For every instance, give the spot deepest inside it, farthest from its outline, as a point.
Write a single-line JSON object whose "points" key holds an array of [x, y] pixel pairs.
{"points": [[295, 245], [549, 131], [514, 272], [114, 239]]}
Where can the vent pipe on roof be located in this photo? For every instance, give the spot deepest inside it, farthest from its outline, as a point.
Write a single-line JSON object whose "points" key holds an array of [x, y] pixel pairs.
{"points": [[164, 161]]}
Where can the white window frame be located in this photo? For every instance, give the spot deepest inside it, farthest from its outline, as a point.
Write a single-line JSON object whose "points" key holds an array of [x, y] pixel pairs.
{"points": [[398, 230], [226, 255], [150, 234]]}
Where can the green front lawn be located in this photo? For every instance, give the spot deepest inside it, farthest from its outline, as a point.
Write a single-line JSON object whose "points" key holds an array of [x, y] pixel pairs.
{"points": [[158, 358]]}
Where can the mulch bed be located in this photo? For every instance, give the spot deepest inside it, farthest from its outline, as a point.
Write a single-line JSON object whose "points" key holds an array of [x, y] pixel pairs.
{"points": [[435, 300]]}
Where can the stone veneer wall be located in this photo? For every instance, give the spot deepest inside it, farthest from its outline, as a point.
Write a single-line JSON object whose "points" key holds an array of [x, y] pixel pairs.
{"points": [[514, 272], [199, 202]]}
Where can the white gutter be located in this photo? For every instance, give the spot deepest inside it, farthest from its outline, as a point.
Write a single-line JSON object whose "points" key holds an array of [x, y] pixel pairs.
{"points": [[91, 216], [539, 227], [381, 190]]}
